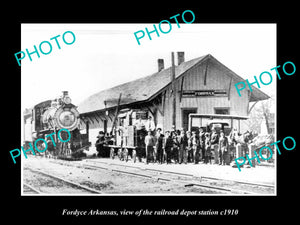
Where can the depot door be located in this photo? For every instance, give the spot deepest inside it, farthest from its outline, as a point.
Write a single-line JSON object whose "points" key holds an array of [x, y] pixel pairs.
{"points": [[185, 116]]}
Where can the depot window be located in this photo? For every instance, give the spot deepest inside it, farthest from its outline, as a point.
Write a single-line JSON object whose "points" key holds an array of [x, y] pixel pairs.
{"points": [[222, 110]]}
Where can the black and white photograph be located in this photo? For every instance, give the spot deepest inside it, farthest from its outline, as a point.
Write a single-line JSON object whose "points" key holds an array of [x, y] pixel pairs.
{"points": [[149, 113], [132, 110]]}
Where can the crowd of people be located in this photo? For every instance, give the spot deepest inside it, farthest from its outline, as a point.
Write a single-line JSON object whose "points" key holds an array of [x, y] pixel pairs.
{"points": [[178, 146], [175, 146]]}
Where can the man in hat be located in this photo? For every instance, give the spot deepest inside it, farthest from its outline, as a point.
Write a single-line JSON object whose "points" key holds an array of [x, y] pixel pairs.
{"points": [[214, 137], [168, 144], [140, 150], [176, 145], [150, 143], [183, 142], [207, 148], [214, 140], [189, 148], [195, 144], [159, 145], [223, 147], [201, 143], [99, 144]]}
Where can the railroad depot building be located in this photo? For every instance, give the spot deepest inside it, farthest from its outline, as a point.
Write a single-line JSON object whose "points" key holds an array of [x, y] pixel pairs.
{"points": [[202, 85]]}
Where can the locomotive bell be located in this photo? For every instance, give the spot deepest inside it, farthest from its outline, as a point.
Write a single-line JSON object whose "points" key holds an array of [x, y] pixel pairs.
{"points": [[66, 98]]}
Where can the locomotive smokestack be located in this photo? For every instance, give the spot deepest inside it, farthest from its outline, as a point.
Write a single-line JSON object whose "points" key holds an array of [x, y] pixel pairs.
{"points": [[65, 93]]}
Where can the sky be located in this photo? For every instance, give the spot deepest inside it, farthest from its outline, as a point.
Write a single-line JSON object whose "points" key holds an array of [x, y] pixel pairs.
{"points": [[105, 55]]}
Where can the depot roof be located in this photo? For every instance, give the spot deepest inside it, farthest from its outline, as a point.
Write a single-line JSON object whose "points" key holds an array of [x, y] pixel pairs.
{"points": [[145, 88]]}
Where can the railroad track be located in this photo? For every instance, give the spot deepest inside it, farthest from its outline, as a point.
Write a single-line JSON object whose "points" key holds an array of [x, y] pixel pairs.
{"points": [[188, 180], [28, 189], [48, 183], [225, 185]]}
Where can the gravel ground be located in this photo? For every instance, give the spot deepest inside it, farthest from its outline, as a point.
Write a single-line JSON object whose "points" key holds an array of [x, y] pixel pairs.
{"points": [[107, 182], [48, 185]]}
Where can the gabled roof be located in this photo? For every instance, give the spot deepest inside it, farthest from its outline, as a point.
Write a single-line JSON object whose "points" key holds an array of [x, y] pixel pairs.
{"points": [[143, 89]]}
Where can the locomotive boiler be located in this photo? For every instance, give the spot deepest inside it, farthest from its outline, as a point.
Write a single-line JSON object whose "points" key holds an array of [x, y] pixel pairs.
{"points": [[51, 116]]}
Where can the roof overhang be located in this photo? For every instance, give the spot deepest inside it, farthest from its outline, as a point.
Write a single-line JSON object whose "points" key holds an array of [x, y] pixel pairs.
{"points": [[218, 116]]}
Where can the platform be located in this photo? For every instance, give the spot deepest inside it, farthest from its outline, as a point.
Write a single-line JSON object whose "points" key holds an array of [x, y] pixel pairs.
{"points": [[259, 174]]}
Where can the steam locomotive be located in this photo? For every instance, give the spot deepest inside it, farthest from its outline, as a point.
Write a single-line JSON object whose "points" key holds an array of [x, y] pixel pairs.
{"points": [[51, 116]]}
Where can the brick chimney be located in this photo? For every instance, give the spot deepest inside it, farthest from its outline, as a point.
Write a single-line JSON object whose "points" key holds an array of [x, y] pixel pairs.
{"points": [[161, 64], [180, 57]]}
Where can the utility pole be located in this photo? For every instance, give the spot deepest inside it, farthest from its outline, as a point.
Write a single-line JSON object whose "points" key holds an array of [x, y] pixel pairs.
{"points": [[173, 90]]}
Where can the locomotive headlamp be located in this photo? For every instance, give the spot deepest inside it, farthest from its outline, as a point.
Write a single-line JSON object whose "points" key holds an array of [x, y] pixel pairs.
{"points": [[67, 118]]}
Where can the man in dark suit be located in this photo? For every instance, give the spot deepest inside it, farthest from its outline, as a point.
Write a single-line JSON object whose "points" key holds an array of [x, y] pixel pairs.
{"points": [[140, 150], [201, 142], [168, 145], [159, 145], [183, 142], [176, 145], [189, 148], [99, 144]]}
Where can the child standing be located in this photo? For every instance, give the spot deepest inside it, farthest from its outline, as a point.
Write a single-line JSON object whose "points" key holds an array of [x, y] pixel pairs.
{"points": [[207, 146]]}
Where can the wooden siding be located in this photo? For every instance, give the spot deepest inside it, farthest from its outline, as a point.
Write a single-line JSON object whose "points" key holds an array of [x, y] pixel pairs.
{"points": [[216, 78]]}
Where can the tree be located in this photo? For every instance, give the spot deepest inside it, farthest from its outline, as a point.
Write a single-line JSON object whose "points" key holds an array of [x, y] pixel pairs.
{"points": [[260, 113]]}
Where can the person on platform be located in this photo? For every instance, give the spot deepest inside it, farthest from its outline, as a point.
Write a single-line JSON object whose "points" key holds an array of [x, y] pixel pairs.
{"points": [[214, 137], [189, 148], [159, 146], [99, 144], [176, 144], [223, 147], [168, 145], [201, 143], [207, 149], [183, 142], [150, 143], [195, 143], [214, 140], [140, 150]]}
